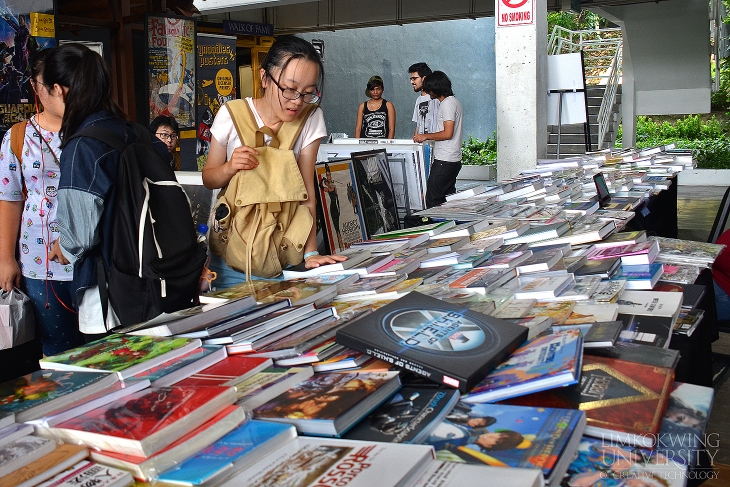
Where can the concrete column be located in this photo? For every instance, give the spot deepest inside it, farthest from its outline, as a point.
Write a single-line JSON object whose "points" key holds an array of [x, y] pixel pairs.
{"points": [[521, 85]]}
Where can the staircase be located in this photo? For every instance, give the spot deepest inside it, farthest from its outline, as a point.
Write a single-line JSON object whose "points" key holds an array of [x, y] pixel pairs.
{"points": [[572, 138], [602, 56]]}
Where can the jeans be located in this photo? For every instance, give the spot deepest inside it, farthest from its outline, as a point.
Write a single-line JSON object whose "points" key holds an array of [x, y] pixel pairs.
{"points": [[227, 277], [57, 326], [441, 181], [722, 303]]}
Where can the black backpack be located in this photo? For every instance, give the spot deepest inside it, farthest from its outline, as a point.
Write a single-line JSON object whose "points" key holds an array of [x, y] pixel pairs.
{"points": [[156, 261]]}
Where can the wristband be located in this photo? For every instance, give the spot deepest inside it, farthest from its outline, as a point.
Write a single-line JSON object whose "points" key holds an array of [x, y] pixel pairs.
{"points": [[311, 254]]}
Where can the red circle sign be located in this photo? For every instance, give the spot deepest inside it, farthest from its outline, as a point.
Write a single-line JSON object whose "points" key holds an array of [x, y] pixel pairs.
{"points": [[514, 3]]}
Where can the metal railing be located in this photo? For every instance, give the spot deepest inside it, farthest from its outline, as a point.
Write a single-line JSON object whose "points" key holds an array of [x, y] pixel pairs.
{"points": [[602, 56]]}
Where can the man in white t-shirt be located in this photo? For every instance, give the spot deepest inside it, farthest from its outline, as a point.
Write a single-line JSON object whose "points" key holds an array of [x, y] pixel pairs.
{"points": [[424, 113], [447, 136]]}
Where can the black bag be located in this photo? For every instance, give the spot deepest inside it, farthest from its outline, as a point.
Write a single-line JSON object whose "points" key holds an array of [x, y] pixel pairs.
{"points": [[156, 261]]}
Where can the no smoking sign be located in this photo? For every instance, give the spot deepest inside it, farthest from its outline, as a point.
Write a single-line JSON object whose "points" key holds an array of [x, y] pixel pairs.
{"points": [[515, 12]]}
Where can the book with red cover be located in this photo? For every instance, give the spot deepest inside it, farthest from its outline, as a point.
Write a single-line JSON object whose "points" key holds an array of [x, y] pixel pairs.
{"points": [[147, 468], [228, 372], [624, 401], [145, 422]]}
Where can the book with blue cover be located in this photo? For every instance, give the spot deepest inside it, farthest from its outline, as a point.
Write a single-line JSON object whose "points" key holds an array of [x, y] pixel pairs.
{"points": [[234, 452], [542, 363], [510, 436]]}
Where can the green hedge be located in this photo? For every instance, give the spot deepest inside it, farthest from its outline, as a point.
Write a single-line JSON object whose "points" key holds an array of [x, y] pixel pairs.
{"points": [[708, 139]]}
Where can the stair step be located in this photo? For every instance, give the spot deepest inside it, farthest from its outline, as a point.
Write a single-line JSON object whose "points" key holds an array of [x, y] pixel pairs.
{"points": [[571, 138]]}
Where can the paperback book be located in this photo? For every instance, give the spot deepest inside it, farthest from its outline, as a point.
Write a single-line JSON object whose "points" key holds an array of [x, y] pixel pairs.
{"points": [[408, 417], [440, 341], [545, 362], [328, 404], [124, 355], [90, 473], [510, 436], [34, 473]]}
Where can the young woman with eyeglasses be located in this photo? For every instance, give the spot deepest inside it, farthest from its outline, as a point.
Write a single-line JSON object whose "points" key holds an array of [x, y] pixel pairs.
{"points": [[291, 77], [28, 217]]}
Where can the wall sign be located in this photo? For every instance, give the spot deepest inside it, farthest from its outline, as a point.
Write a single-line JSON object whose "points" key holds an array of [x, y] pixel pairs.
{"points": [[515, 12]]}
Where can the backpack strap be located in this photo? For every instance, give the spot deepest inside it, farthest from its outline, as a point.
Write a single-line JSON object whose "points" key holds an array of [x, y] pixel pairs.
{"points": [[17, 140], [245, 123], [104, 135]]}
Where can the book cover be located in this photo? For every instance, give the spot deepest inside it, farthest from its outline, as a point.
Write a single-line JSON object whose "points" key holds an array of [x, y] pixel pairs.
{"points": [[408, 417], [646, 330], [90, 473], [640, 277], [592, 313], [508, 260], [228, 372], [687, 251], [604, 267], [33, 395], [688, 321], [624, 401], [540, 286], [682, 434], [342, 358], [602, 334], [540, 232], [14, 431], [22, 451], [375, 187], [633, 254], [558, 311], [608, 291], [636, 352], [298, 291], [602, 464], [147, 469], [514, 309], [37, 471], [541, 260], [544, 362], [453, 474], [430, 229], [234, 452], [482, 280], [327, 404], [441, 341], [622, 238], [124, 354], [310, 462], [510, 436], [147, 421], [652, 303], [184, 366], [269, 383], [340, 205]]}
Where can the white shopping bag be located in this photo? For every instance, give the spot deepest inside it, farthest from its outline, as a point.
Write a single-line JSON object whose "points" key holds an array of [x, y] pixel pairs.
{"points": [[17, 325]]}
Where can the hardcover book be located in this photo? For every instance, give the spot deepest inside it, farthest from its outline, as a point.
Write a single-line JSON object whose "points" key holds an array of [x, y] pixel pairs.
{"points": [[624, 401], [269, 383], [124, 355], [636, 352], [408, 417], [510, 436], [229, 455], [646, 330], [441, 341], [328, 404], [340, 205], [33, 395], [544, 362], [599, 463], [309, 462], [146, 422]]}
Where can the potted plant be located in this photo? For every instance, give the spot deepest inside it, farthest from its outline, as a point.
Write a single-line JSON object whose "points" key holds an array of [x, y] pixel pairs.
{"points": [[479, 158]]}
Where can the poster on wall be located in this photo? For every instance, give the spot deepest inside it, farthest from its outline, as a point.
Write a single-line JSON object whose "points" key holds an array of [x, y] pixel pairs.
{"points": [[341, 206], [22, 35], [171, 63], [216, 85]]}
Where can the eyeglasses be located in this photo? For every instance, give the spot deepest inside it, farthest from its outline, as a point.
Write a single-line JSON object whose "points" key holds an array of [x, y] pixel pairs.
{"points": [[165, 136], [292, 94], [413, 78], [34, 83]]}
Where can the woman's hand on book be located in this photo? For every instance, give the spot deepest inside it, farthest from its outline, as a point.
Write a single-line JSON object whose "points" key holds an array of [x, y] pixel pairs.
{"points": [[318, 260]]}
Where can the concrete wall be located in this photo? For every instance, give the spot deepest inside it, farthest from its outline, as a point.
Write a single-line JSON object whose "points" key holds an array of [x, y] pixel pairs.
{"points": [[463, 49]]}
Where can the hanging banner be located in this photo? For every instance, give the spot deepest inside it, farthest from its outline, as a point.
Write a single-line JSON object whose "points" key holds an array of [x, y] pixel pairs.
{"points": [[19, 42], [216, 84], [515, 12], [171, 68]]}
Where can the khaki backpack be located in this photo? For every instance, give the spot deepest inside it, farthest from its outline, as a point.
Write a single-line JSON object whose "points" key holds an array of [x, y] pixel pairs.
{"points": [[260, 225]]}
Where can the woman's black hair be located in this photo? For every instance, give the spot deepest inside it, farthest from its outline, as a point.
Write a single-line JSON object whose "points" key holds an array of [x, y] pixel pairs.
{"points": [[438, 83], [86, 76], [374, 81], [287, 48], [162, 120], [37, 63]]}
